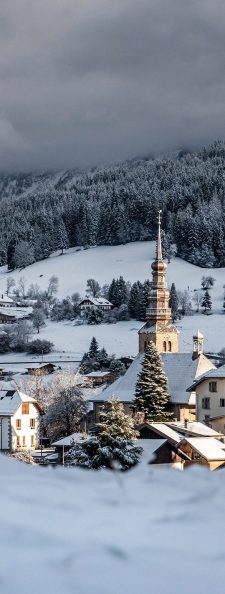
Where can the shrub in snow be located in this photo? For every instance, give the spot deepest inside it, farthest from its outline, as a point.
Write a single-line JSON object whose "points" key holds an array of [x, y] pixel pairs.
{"points": [[151, 396], [40, 346], [94, 454], [113, 444]]}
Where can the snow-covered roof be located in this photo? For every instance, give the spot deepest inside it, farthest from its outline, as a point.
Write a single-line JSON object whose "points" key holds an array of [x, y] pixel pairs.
{"points": [[180, 369], [96, 301], [97, 374], [198, 335], [149, 447], [67, 441], [11, 399], [5, 299], [16, 312], [194, 428], [210, 449], [165, 431], [217, 373]]}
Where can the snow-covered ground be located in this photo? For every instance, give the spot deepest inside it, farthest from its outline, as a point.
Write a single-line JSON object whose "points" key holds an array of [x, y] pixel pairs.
{"points": [[152, 530], [133, 261]]}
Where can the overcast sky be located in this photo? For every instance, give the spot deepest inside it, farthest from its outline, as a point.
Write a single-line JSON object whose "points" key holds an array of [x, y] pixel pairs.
{"points": [[90, 81]]}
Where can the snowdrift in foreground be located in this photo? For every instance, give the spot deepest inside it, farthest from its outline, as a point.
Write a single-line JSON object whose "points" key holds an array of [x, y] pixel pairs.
{"points": [[66, 531]]}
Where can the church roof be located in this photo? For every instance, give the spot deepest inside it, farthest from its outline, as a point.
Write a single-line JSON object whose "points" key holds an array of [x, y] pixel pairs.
{"points": [[180, 369]]}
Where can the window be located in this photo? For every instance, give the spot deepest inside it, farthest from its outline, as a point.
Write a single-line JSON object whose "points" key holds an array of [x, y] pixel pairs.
{"points": [[164, 346], [24, 440], [213, 386], [18, 441], [25, 408], [205, 403], [18, 423], [169, 346], [222, 401], [32, 423], [32, 442]]}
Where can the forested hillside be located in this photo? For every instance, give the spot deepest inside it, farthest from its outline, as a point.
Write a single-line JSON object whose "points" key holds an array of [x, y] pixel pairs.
{"points": [[119, 204]]}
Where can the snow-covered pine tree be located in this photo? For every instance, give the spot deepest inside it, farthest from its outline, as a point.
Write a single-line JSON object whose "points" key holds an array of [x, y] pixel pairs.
{"points": [[151, 395], [63, 241], [103, 357], [206, 302], [173, 302], [93, 349], [112, 446]]}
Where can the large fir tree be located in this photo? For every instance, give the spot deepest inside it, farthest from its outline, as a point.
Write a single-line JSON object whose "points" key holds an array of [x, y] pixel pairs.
{"points": [[151, 395]]}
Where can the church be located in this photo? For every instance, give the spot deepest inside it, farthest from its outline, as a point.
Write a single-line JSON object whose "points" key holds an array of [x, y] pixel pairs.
{"points": [[181, 369]]}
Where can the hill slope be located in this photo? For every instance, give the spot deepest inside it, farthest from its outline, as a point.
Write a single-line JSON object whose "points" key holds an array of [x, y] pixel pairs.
{"points": [[116, 205], [133, 261]]}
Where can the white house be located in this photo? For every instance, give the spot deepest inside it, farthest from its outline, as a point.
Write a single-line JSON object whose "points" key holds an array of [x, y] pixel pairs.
{"points": [[210, 398], [19, 421], [90, 303]]}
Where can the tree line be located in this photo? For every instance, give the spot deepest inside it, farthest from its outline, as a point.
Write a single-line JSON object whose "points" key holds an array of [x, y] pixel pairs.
{"points": [[116, 205]]}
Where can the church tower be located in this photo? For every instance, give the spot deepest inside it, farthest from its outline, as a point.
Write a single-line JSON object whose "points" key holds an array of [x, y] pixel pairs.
{"points": [[158, 327]]}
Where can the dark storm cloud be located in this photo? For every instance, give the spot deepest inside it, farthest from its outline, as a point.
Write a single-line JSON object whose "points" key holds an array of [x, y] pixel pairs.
{"points": [[90, 81]]}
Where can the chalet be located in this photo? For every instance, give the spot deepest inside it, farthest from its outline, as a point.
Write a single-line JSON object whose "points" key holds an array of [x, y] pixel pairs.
{"points": [[41, 369], [6, 301], [94, 303], [14, 314], [98, 378], [19, 421], [7, 318], [186, 444], [203, 451]]}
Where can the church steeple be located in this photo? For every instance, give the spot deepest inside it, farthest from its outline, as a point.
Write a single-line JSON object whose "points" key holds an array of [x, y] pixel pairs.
{"points": [[159, 241], [158, 309], [158, 327]]}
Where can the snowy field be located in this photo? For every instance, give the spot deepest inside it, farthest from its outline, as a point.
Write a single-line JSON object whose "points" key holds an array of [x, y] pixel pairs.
{"points": [[133, 261], [154, 531]]}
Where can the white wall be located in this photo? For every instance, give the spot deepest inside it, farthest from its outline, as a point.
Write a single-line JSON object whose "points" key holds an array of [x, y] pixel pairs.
{"points": [[25, 430], [215, 410], [4, 433]]}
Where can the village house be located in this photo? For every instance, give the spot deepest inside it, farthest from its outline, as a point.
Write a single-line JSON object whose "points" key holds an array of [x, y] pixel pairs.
{"points": [[185, 443], [181, 369], [40, 369], [7, 318], [6, 301], [19, 421], [98, 378], [210, 398], [12, 314], [95, 303]]}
